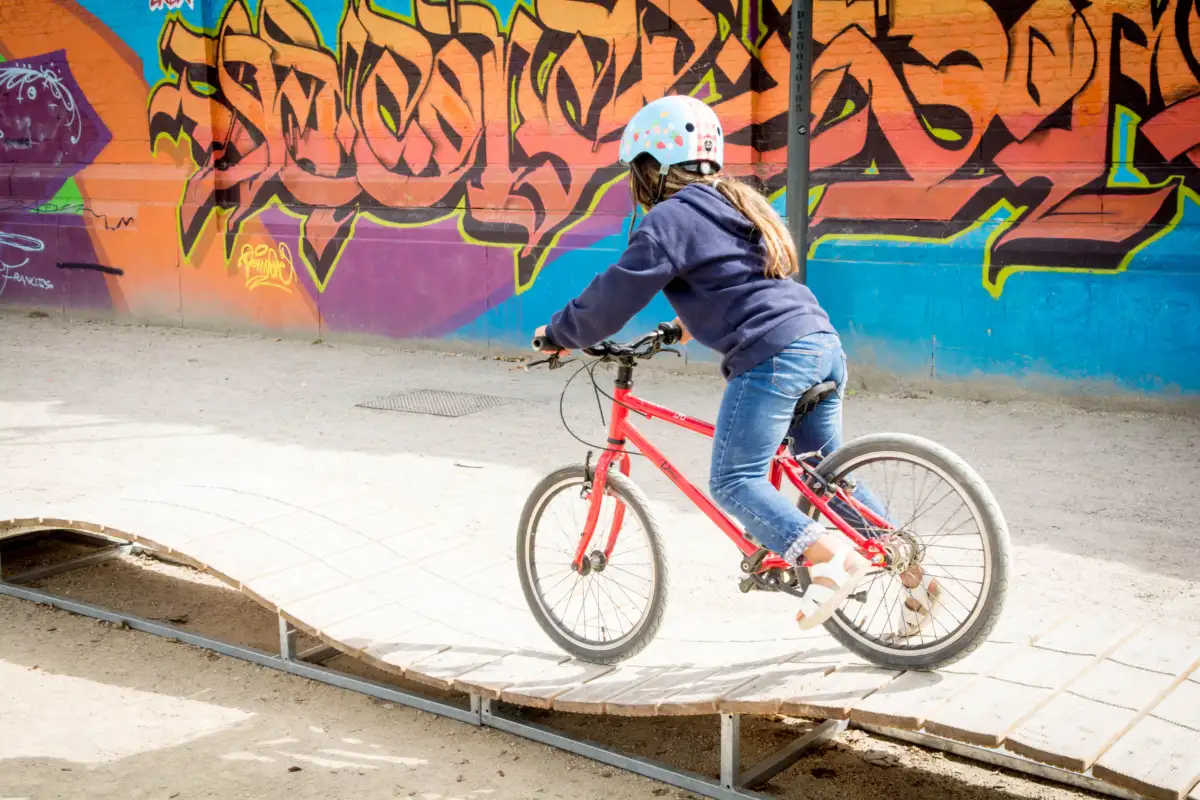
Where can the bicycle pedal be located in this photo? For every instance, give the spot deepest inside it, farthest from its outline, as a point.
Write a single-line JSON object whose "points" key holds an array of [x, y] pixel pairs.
{"points": [[747, 585]]}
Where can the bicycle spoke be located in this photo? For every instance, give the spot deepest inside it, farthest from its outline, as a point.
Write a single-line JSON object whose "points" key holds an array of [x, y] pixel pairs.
{"points": [[600, 605]]}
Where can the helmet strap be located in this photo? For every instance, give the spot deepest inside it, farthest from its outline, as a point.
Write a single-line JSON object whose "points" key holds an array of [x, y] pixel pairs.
{"points": [[662, 184]]}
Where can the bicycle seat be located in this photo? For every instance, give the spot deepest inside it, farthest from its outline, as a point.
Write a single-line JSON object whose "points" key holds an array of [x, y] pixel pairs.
{"points": [[811, 399]]}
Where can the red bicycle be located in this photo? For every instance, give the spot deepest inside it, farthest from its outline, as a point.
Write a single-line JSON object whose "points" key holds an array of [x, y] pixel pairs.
{"points": [[927, 617]]}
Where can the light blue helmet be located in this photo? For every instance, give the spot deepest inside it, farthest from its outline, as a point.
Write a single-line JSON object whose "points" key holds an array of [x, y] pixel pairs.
{"points": [[675, 130]]}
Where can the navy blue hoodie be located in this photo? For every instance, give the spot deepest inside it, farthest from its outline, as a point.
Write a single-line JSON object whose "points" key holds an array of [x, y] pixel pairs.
{"points": [[705, 256]]}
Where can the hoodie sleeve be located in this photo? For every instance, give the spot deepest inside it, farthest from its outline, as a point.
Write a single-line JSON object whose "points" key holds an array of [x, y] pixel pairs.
{"points": [[613, 296]]}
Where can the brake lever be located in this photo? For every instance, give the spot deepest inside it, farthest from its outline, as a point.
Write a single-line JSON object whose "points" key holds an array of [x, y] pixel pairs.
{"points": [[553, 362]]}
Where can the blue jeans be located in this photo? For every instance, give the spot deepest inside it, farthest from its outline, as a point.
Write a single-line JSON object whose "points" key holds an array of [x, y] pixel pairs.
{"points": [[755, 417]]}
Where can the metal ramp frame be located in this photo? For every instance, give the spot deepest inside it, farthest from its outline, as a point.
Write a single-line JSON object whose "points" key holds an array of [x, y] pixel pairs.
{"points": [[735, 782]]}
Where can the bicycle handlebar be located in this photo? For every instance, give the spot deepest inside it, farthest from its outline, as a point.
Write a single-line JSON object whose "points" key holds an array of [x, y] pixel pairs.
{"points": [[667, 333]]}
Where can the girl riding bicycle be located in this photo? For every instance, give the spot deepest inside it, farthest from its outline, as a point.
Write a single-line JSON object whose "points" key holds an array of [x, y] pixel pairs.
{"points": [[723, 259]]}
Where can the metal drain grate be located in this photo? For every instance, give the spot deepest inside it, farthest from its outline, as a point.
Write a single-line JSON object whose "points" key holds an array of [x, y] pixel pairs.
{"points": [[437, 403]]}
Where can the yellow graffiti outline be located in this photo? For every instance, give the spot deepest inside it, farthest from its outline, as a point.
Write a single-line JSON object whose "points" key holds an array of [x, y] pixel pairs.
{"points": [[1184, 194], [1113, 164], [1000, 205], [815, 193], [709, 80], [744, 9], [502, 26], [601, 191]]}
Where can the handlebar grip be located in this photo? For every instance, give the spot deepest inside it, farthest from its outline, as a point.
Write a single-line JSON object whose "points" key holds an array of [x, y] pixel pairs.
{"points": [[670, 332], [540, 343]]}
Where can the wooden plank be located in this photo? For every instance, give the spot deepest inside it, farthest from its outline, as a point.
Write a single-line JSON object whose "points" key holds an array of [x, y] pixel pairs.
{"points": [[364, 561], [342, 511], [244, 554], [326, 609], [491, 679], [244, 507], [1077, 725], [836, 694], [329, 540], [171, 526], [415, 543], [588, 698], [765, 695], [1160, 755], [907, 702], [406, 581], [387, 623], [644, 698], [541, 690], [288, 586], [1017, 687], [291, 526], [442, 668], [386, 523], [396, 656], [705, 695]]}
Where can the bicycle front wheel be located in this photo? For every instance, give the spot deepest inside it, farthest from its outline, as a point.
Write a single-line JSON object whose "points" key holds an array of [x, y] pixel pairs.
{"points": [[612, 607], [948, 537]]}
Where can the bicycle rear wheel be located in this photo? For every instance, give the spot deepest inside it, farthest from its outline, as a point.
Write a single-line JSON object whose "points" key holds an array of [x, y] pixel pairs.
{"points": [[963, 547], [613, 608]]}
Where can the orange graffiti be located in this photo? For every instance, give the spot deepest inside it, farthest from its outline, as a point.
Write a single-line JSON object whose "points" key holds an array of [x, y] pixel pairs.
{"points": [[924, 127], [921, 126], [411, 121], [264, 265]]}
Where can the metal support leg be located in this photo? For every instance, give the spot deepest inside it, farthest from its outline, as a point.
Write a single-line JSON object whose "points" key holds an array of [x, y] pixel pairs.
{"points": [[287, 640], [688, 781], [478, 706], [777, 762], [731, 750], [91, 559]]}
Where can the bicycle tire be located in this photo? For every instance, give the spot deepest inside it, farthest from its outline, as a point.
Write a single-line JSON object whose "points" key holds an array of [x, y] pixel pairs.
{"points": [[635, 502], [994, 531]]}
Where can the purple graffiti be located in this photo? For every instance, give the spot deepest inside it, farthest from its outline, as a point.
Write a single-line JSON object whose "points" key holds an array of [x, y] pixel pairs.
{"points": [[48, 130]]}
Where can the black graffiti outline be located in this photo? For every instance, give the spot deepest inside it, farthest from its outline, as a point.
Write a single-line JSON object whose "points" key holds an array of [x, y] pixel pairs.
{"points": [[90, 267]]}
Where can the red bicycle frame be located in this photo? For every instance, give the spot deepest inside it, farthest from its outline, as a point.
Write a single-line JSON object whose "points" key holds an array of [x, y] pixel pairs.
{"points": [[622, 432]]}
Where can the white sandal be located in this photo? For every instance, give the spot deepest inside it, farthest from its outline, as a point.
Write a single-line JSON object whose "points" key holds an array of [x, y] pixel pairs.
{"points": [[818, 602], [913, 620]]}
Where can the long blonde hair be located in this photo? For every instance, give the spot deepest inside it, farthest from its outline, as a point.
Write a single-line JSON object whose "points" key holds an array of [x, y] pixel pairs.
{"points": [[779, 251]]}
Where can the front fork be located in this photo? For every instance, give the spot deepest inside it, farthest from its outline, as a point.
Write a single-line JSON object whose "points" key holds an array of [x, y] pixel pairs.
{"points": [[594, 490]]}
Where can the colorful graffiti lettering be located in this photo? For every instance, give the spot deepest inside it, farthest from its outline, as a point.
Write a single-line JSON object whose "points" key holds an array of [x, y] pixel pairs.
{"points": [[981, 169], [1081, 120], [516, 129], [264, 265]]}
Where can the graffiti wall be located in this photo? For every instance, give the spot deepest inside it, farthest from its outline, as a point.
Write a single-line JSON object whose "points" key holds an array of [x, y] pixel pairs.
{"points": [[1000, 187]]}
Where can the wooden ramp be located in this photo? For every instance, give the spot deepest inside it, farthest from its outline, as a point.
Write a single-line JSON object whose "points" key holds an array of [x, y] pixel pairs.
{"points": [[1101, 696]]}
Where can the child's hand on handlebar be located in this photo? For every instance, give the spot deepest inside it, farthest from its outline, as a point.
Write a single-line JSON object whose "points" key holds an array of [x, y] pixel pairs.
{"points": [[686, 336], [543, 343]]}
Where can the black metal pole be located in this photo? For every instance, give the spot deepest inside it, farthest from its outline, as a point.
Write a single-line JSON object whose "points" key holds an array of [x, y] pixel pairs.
{"points": [[798, 132]]}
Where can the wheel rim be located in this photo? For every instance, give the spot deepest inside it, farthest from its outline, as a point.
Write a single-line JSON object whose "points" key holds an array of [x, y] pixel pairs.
{"points": [[958, 610], [574, 604]]}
